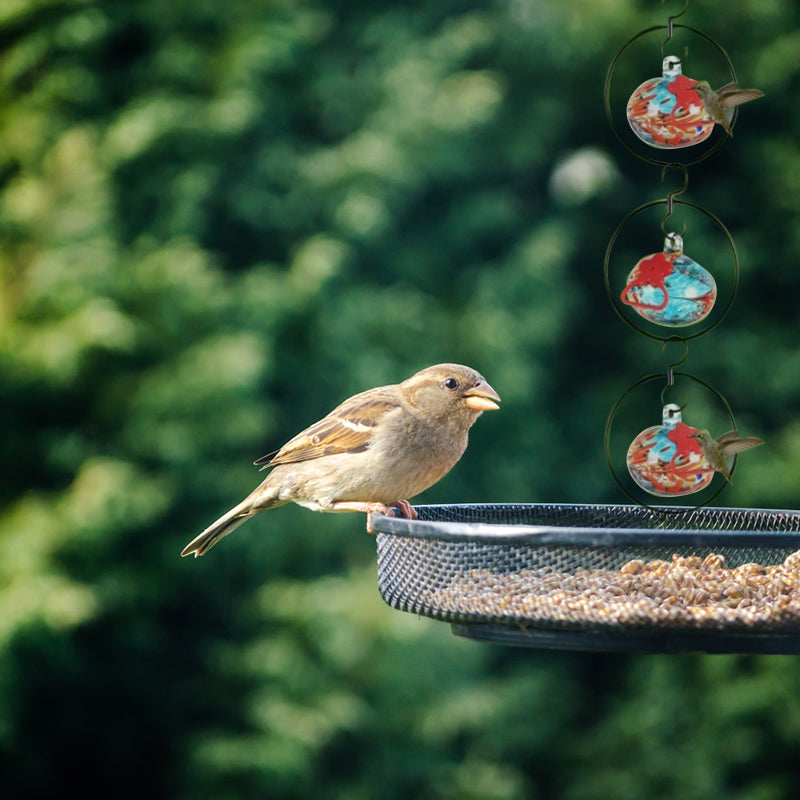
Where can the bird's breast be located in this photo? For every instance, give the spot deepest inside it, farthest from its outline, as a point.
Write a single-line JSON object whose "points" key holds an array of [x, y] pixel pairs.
{"points": [[411, 455]]}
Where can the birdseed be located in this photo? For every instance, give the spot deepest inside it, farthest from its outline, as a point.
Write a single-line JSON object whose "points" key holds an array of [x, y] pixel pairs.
{"points": [[685, 592]]}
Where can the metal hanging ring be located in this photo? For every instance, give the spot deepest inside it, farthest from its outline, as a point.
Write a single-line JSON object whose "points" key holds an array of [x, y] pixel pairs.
{"points": [[612, 296], [607, 94], [607, 441]]}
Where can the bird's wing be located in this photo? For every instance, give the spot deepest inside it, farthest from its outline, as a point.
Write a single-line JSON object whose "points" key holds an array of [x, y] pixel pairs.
{"points": [[731, 443], [731, 95], [347, 429]]}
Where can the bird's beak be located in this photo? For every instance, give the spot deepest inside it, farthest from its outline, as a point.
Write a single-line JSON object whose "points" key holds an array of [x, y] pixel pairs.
{"points": [[482, 397]]}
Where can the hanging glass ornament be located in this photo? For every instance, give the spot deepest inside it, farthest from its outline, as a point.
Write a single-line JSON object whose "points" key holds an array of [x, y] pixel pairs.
{"points": [[669, 288], [667, 460], [667, 112]]}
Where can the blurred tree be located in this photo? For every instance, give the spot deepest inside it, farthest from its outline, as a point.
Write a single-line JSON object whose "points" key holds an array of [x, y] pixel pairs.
{"points": [[217, 222]]}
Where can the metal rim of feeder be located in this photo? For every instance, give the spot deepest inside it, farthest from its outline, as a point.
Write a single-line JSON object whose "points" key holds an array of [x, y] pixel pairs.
{"points": [[593, 536]]}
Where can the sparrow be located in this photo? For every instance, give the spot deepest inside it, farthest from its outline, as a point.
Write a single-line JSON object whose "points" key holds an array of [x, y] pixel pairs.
{"points": [[717, 450], [728, 96], [374, 450]]}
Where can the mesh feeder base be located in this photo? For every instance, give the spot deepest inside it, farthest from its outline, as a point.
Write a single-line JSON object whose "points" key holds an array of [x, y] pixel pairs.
{"points": [[599, 577]]}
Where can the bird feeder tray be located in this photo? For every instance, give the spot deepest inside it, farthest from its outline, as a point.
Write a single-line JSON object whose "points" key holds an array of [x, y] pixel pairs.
{"points": [[599, 577]]}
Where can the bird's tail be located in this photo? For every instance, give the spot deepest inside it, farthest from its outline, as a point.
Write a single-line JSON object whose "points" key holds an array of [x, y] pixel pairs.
{"points": [[228, 522]]}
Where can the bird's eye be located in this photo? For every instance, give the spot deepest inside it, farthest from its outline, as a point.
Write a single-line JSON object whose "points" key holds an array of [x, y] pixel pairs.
{"points": [[451, 383]]}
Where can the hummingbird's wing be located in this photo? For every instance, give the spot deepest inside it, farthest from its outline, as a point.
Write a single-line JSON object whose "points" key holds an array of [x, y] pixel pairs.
{"points": [[731, 95], [731, 443]]}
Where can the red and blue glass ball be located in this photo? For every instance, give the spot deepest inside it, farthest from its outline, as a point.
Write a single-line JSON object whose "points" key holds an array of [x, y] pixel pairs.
{"points": [[669, 288], [667, 112], [666, 460]]}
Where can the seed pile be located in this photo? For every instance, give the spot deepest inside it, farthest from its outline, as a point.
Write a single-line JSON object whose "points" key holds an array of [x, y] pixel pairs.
{"points": [[688, 591]]}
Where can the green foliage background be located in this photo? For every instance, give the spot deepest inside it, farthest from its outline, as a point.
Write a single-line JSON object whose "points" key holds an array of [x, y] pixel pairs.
{"points": [[220, 219]]}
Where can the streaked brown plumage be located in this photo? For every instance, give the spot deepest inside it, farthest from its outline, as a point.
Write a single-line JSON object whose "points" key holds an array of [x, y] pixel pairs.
{"points": [[377, 449]]}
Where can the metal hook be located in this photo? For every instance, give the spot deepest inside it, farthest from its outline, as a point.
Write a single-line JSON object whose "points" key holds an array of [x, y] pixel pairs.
{"points": [[685, 397], [663, 224], [670, 199], [676, 340], [670, 374], [671, 27]]}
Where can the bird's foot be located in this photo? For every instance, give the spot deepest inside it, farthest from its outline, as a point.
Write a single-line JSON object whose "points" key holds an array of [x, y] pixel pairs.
{"points": [[406, 509], [368, 508]]}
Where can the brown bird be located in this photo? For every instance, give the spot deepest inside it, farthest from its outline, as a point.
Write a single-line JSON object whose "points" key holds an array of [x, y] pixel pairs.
{"points": [[375, 450], [728, 96], [717, 450]]}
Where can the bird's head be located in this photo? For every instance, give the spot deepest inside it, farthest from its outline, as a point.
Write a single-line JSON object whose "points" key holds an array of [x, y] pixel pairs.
{"points": [[703, 88], [450, 390], [703, 436]]}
